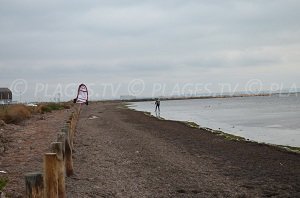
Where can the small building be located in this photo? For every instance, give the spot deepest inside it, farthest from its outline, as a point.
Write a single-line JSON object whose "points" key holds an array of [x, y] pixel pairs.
{"points": [[5, 96]]}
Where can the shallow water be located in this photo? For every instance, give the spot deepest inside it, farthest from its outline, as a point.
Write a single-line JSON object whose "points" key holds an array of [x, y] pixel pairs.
{"points": [[269, 119]]}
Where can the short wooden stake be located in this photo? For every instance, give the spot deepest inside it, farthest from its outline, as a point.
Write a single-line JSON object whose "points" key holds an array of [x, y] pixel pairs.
{"points": [[68, 155], [71, 132], [56, 147], [34, 185], [50, 175], [69, 135], [61, 138]]}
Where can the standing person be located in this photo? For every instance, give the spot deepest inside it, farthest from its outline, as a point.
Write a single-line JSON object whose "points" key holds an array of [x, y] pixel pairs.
{"points": [[157, 105]]}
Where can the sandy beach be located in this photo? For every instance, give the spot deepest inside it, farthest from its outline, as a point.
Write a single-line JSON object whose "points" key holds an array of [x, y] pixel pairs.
{"points": [[124, 153]]}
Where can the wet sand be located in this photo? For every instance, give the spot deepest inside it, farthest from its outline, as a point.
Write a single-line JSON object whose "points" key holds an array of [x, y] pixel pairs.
{"points": [[124, 153]]}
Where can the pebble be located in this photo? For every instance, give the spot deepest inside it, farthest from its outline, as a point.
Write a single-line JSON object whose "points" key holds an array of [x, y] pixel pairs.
{"points": [[2, 123], [2, 195]]}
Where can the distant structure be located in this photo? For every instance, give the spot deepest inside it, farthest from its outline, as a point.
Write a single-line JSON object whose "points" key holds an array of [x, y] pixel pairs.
{"points": [[127, 97], [5, 96]]}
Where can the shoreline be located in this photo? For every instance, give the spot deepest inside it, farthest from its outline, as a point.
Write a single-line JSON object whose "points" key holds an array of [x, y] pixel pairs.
{"points": [[226, 135], [217, 96], [130, 154]]}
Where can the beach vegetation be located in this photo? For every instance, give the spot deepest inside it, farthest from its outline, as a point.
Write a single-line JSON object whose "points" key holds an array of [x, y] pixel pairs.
{"points": [[124, 105], [3, 183], [16, 113], [191, 124], [49, 107], [291, 148], [228, 136]]}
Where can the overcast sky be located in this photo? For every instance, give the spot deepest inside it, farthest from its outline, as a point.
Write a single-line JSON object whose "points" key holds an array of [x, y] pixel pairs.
{"points": [[147, 44]]}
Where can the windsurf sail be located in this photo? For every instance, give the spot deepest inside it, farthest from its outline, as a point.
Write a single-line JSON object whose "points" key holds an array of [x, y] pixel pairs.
{"points": [[82, 95]]}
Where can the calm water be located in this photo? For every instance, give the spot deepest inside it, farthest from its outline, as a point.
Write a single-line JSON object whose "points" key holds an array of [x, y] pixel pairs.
{"points": [[269, 119]]}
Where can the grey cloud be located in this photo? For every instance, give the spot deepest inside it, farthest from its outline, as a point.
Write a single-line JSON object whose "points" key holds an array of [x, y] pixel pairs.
{"points": [[126, 39]]}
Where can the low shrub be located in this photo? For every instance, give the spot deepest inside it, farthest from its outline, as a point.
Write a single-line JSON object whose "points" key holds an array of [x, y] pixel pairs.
{"points": [[15, 114], [49, 107], [43, 109], [3, 182], [66, 105]]}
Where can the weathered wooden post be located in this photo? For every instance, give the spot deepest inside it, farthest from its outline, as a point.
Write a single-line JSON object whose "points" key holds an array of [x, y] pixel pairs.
{"points": [[69, 130], [61, 138], [73, 127], [51, 184], [34, 185], [68, 154], [57, 147], [50, 175], [74, 123]]}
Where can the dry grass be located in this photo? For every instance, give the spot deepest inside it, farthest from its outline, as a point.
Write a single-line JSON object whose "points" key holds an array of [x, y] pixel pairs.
{"points": [[49, 107], [17, 113]]}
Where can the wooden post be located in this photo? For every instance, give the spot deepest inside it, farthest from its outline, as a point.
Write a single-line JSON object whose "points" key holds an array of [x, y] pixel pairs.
{"points": [[68, 155], [34, 185], [61, 138], [50, 175], [79, 108], [70, 128], [57, 147], [68, 131]]}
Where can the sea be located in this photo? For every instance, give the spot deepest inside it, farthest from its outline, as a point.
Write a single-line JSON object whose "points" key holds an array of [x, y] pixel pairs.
{"points": [[266, 119]]}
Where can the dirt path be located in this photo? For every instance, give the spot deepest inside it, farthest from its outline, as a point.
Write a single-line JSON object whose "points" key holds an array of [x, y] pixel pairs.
{"points": [[124, 153], [26, 146]]}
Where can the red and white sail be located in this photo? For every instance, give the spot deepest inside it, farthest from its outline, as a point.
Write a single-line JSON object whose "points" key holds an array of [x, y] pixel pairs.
{"points": [[82, 95]]}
